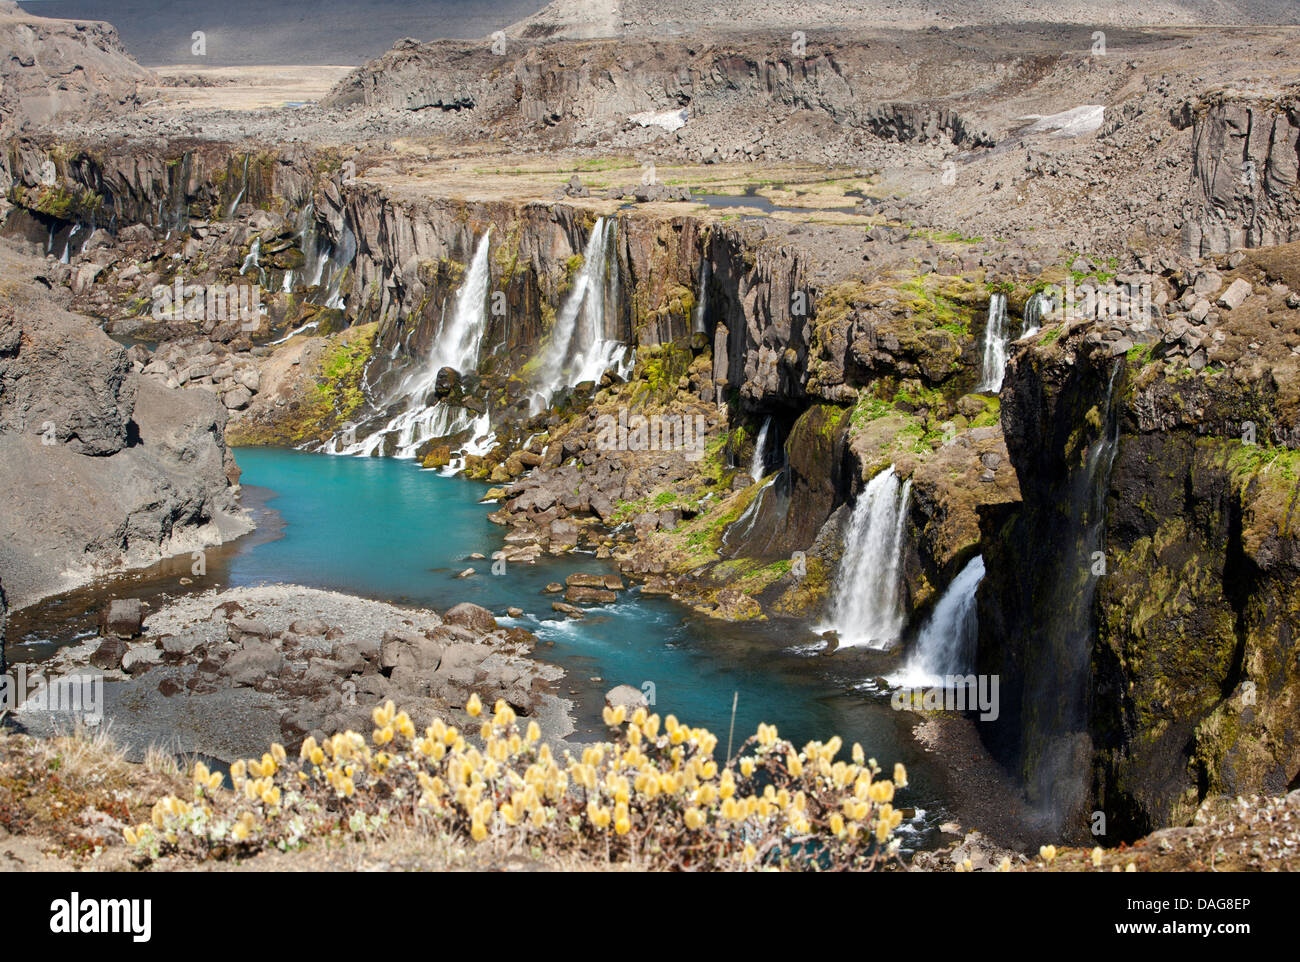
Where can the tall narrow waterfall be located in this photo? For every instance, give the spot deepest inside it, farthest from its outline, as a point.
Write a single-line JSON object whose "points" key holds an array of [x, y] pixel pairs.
{"points": [[1056, 741], [946, 642], [698, 325], [1036, 307], [420, 416], [758, 465], [994, 365], [458, 345], [577, 349], [867, 608]]}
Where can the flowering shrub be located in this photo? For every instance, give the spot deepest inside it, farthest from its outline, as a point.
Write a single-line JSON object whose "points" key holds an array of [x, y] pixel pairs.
{"points": [[653, 795]]}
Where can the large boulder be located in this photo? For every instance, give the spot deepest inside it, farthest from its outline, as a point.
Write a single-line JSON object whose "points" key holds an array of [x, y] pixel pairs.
{"points": [[471, 616], [122, 618]]}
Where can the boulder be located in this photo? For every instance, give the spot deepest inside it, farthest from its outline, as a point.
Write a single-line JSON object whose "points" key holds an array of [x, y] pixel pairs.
{"points": [[1235, 295], [470, 616], [109, 654], [590, 596], [257, 660], [122, 618], [140, 658], [627, 696]]}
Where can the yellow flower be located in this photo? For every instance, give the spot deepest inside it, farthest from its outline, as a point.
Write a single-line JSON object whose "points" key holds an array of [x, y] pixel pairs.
{"points": [[405, 727], [747, 767], [1005, 864], [623, 825], [240, 832], [534, 732], [278, 753], [882, 791], [477, 830], [694, 818], [1096, 857], [900, 775], [794, 765], [858, 758], [750, 853], [239, 771], [308, 746], [128, 833], [271, 796], [383, 714], [383, 735], [1048, 852], [475, 707], [837, 824], [1130, 867], [317, 757]]}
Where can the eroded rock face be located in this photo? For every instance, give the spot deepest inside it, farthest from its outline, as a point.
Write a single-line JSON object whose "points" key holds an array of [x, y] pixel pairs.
{"points": [[1140, 607], [63, 69], [1246, 165], [99, 468]]}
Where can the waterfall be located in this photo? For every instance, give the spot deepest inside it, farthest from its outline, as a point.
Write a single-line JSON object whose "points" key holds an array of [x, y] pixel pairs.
{"points": [[1056, 744], [701, 289], [254, 257], [758, 466], [332, 269], [456, 345], [946, 642], [867, 607], [243, 186], [1036, 307], [577, 349], [994, 365]]}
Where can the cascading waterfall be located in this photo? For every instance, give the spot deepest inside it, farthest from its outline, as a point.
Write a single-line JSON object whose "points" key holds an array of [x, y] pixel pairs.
{"points": [[330, 275], [243, 186], [758, 466], [945, 645], [457, 346], [577, 349], [701, 300], [994, 365], [867, 608], [1057, 744], [1036, 307], [254, 257]]}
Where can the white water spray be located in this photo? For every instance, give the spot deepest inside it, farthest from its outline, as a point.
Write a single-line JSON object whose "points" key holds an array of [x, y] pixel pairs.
{"points": [[945, 645], [868, 606], [758, 465], [577, 349], [994, 366]]}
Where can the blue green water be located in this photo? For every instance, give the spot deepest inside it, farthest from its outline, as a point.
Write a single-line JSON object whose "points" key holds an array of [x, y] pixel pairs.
{"points": [[384, 529]]}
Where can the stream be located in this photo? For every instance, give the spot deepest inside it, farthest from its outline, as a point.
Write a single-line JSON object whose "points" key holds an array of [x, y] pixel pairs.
{"points": [[384, 529]]}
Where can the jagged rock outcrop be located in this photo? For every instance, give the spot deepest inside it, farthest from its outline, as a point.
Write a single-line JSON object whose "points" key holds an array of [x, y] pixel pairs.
{"points": [[1246, 170], [585, 89], [1140, 606], [63, 70], [99, 468]]}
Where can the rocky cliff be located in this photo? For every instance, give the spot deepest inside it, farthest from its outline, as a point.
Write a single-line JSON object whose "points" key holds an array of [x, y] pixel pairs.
{"points": [[100, 468], [1245, 170], [1140, 604], [61, 70]]}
